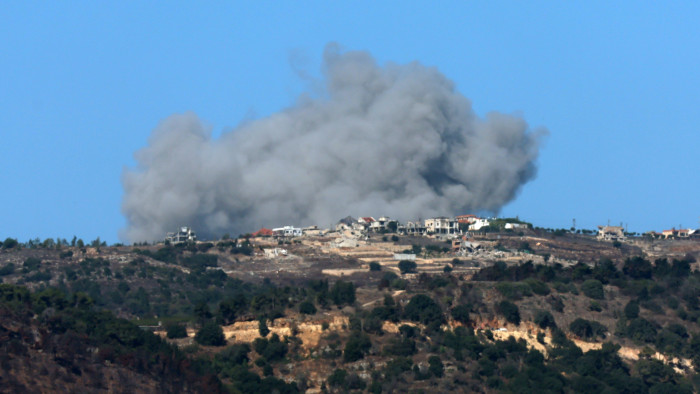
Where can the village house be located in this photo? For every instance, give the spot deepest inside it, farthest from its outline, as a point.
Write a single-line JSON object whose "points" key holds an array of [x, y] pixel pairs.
{"points": [[441, 225], [185, 234], [513, 226], [680, 233], [363, 223], [417, 227], [478, 224], [611, 233], [287, 231], [466, 219], [380, 224]]}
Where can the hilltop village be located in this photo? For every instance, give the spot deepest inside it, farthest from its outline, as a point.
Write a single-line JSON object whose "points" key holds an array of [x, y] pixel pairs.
{"points": [[463, 304]]}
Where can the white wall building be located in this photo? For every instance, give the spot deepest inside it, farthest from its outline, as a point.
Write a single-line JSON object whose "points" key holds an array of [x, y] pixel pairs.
{"points": [[441, 225], [185, 234], [287, 231], [478, 224]]}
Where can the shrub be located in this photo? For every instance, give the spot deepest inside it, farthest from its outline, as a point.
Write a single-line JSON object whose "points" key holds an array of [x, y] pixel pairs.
{"points": [[210, 334], [374, 266], [461, 313], [307, 308], [8, 269], [262, 327], [272, 349], [373, 325], [31, 264], [9, 243], [593, 288], [538, 287], [514, 290], [544, 319], [343, 293], [423, 309], [337, 378], [587, 329], [407, 266], [637, 268], [510, 311], [641, 330], [177, 331], [435, 366], [234, 354], [355, 348]]}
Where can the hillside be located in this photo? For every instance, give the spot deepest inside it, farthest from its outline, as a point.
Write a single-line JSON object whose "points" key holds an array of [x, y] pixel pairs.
{"points": [[521, 312]]}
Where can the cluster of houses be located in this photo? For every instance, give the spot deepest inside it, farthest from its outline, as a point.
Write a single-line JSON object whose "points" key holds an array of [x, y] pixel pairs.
{"points": [[617, 233], [437, 225], [433, 226], [675, 233]]}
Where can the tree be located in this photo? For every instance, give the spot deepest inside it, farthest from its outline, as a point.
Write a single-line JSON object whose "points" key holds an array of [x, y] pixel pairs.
{"points": [[230, 308], [544, 319], [461, 313], [374, 266], [210, 334], [641, 330], [9, 243], [31, 264], [632, 310], [435, 366], [355, 348], [510, 311], [593, 288], [343, 293], [587, 329], [8, 269], [262, 327], [337, 378], [407, 266], [177, 331], [202, 312], [423, 309], [307, 308], [638, 268]]}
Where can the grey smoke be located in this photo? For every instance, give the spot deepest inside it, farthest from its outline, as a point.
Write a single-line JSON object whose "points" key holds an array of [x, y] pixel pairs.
{"points": [[396, 140]]}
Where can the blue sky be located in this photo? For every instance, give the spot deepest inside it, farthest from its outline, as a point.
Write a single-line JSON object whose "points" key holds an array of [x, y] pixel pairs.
{"points": [[82, 84]]}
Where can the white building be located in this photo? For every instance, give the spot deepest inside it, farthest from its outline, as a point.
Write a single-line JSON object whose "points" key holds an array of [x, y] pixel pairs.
{"points": [[441, 225], [478, 224], [611, 233], [287, 231], [417, 227], [185, 234], [380, 224]]}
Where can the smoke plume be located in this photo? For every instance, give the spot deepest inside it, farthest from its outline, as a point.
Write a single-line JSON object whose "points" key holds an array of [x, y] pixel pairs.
{"points": [[396, 140]]}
